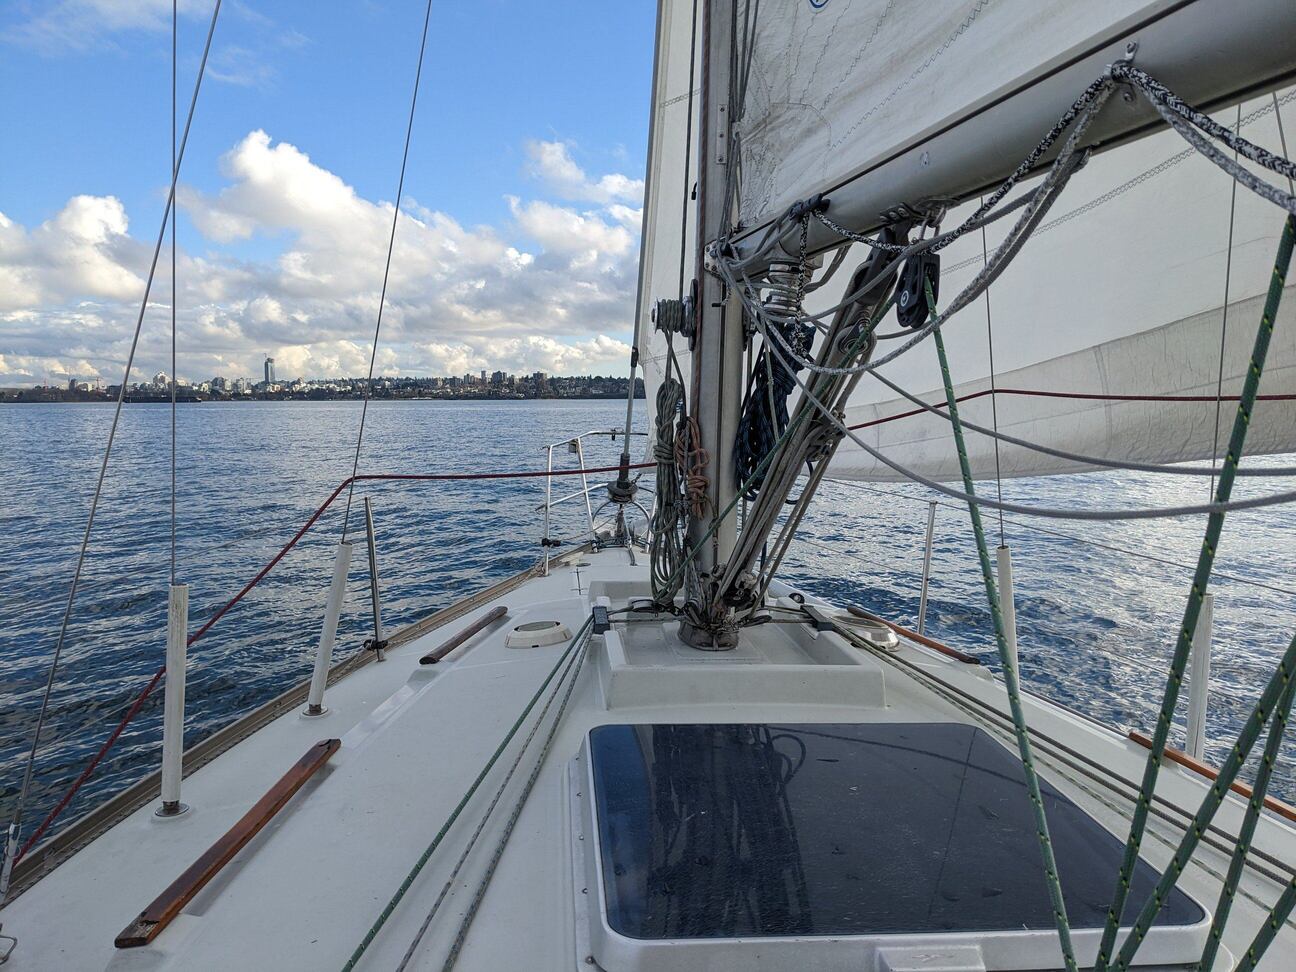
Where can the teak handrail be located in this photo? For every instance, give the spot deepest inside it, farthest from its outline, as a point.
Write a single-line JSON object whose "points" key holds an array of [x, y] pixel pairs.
{"points": [[167, 905], [485, 621], [1211, 773]]}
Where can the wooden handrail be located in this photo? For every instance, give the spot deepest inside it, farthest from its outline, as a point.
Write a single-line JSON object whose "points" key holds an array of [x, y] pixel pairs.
{"points": [[903, 632], [1211, 773], [167, 905], [485, 621]]}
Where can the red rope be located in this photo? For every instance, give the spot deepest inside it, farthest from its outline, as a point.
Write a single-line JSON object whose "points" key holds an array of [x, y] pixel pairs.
{"points": [[138, 703], [1078, 396]]}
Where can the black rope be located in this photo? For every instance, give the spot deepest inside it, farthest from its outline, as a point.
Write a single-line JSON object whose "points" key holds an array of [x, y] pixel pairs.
{"points": [[765, 408]]}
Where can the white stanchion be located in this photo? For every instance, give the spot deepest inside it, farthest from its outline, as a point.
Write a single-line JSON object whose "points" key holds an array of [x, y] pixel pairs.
{"points": [[1199, 679], [1007, 605], [173, 706], [926, 572], [332, 610]]}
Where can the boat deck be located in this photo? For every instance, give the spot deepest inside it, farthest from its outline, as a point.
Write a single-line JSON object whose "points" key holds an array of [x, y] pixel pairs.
{"points": [[304, 892]]}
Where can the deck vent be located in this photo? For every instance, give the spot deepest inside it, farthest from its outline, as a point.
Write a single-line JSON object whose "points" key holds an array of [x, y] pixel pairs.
{"points": [[537, 634]]}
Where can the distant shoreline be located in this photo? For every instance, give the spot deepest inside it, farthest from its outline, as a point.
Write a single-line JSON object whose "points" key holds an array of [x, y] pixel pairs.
{"points": [[85, 399]]}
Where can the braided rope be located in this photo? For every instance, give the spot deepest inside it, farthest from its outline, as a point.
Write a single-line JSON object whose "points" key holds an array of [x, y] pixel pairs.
{"points": [[1255, 804], [1201, 580], [1274, 701], [1011, 681]]}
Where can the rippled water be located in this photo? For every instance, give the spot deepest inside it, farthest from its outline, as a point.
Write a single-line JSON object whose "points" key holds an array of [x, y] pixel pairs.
{"points": [[1095, 626]]}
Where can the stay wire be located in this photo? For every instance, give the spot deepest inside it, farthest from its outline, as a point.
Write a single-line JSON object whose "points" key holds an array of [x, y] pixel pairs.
{"points": [[1143, 513], [391, 244], [1228, 278], [994, 398], [1282, 136], [174, 381], [1125, 465], [112, 432]]}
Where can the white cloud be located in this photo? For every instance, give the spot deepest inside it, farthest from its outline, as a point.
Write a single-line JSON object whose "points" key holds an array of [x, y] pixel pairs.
{"points": [[550, 289], [84, 250], [551, 162], [78, 25]]}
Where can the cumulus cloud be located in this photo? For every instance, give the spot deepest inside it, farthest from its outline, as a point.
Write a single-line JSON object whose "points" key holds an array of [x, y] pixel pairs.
{"points": [[551, 162], [551, 288]]}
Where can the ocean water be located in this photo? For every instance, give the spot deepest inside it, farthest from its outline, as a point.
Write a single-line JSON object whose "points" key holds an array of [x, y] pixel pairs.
{"points": [[1096, 616]]}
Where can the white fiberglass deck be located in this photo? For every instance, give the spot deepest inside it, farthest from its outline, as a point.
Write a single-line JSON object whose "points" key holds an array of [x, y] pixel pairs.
{"points": [[304, 892]]}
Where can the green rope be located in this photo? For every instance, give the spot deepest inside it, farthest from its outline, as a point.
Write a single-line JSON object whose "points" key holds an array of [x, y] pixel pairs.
{"points": [[1201, 580], [1270, 702], [1258, 790], [405, 885], [1010, 669], [1269, 930]]}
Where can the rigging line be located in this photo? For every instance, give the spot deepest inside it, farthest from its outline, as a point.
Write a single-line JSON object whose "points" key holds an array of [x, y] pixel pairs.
{"points": [[1035, 528], [994, 398], [1142, 177], [1196, 597], [1228, 279], [499, 793], [1008, 662], [1127, 465], [103, 465], [1076, 396], [391, 244], [575, 645], [470, 912], [1143, 513], [1282, 136], [174, 32]]}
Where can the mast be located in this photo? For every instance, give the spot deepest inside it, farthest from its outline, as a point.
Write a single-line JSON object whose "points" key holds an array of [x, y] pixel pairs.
{"points": [[717, 355]]}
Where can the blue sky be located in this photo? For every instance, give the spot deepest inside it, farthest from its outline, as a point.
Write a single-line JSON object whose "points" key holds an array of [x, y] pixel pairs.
{"points": [[526, 111]]}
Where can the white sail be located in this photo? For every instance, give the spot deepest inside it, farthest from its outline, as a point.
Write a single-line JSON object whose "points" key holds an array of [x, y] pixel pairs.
{"points": [[1119, 294], [668, 213], [843, 88]]}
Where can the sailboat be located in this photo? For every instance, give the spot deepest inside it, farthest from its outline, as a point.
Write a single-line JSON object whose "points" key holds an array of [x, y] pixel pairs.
{"points": [[653, 753]]}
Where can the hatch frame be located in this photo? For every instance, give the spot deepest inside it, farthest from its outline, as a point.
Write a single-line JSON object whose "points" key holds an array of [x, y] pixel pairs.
{"points": [[598, 943]]}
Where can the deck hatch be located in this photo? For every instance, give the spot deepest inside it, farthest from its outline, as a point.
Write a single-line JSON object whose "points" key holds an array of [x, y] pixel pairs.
{"points": [[753, 830]]}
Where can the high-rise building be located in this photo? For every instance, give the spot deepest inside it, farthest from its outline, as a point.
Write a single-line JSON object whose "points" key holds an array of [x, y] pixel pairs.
{"points": [[160, 380], [269, 370]]}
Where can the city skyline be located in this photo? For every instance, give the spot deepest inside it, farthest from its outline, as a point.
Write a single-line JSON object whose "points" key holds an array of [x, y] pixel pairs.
{"points": [[485, 384]]}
